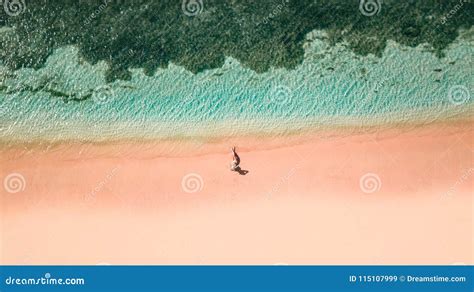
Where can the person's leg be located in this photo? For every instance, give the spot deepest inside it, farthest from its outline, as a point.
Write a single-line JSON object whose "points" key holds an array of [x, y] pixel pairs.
{"points": [[236, 159]]}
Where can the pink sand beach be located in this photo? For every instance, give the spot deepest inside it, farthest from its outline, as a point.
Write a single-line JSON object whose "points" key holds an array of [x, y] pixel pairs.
{"points": [[389, 197]]}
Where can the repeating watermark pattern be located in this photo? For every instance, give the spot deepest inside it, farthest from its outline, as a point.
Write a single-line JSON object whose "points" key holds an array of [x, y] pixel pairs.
{"points": [[279, 95], [370, 7], [14, 183], [453, 11], [110, 175], [97, 11], [192, 183], [103, 94], [284, 180], [192, 7], [3, 109], [13, 7], [370, 183], [465, 176], [458, 94], [444, 19], [376, 87], [275, 12], [254, 21]]}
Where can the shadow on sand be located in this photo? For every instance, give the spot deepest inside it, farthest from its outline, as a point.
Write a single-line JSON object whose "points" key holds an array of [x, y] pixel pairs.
{"points": [[241, 171]]}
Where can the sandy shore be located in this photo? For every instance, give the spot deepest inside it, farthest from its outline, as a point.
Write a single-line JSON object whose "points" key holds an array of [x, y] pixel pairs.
{"points": [[391, 197]]}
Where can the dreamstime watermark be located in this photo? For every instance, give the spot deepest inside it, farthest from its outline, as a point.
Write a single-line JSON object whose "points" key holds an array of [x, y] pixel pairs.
{"points": [[370, 7], [3, 109], [192, 183], [444, 19], [14, 183], [458, 94], [464, 177], [110, 175], [253, 21], [279, 95], [275, 12], [378, 85], [44, 280], [99, 9], [13, 7], [103, 94], [370, 183], [453, 11], [192, 7], [284, 179]]}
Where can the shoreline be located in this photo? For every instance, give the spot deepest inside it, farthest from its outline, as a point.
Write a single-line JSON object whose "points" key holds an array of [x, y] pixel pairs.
{"points": [[201, 145], [121, 132]]}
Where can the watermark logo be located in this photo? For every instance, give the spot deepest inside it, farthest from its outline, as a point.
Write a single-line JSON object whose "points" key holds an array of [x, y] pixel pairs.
{"points": [[280, 95], [370, 7], [13, 7], [192, 183], [192, 7], [103, 94], [458, 94], [370, 183], [14, 183]]}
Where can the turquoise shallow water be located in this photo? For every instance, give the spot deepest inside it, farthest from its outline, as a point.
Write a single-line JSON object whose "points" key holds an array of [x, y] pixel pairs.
{"points": [[332, 87]]}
